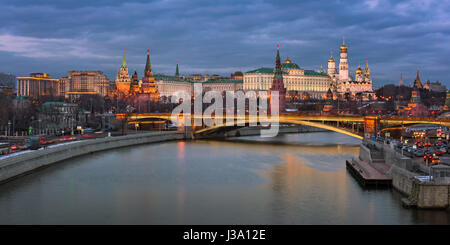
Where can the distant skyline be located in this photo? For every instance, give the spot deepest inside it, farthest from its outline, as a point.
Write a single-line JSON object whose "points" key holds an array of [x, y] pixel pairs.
{"points": [[220, 37]]}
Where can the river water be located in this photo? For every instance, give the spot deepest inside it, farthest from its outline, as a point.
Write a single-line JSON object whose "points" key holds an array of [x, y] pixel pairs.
{"points": [[289, 179]]}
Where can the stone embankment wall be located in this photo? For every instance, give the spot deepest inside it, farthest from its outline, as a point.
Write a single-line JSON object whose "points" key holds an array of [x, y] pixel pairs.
{"points": [[24, 163], [403, 169]]}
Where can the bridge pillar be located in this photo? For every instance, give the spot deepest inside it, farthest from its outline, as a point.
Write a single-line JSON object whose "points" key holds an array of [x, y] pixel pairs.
{"points": [[371, 126], [188, 132]]}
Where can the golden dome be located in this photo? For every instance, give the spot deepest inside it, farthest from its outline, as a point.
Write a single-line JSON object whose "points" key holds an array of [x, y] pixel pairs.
{"points": [[359, 71], [287, 61], [331, 60]]}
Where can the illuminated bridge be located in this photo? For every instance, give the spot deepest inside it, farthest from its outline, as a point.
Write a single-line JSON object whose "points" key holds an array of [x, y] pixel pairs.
{"points": [[352, 125]]}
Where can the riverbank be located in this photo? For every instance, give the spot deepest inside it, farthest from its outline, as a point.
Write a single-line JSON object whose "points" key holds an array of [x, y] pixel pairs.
{"points": [[423, 187], [21, 163], [16, 166]]}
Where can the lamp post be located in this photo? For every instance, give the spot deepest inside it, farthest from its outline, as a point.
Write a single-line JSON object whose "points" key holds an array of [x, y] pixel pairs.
{"points": [[9, 128]]}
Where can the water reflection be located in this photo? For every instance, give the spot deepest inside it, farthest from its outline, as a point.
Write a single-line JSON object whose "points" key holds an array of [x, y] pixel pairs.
{"points": [[294, 179]]}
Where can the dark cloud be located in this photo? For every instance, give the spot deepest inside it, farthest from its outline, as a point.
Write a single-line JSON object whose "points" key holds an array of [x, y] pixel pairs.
{"points": [[224, 36]]}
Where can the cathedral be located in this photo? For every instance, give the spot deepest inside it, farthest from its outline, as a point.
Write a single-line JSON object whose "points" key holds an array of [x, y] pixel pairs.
{"points": [[342, 82]]}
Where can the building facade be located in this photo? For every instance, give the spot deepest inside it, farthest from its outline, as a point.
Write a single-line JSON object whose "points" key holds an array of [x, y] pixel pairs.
{"points": [[86, 82], [123, 81], [310, 82], [342, 82], [37, 85]]}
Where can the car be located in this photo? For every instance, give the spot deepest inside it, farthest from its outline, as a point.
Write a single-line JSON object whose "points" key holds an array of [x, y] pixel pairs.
{"points": [[5, 151], [436, 160], [427, 158], [439, 152], [418, 153]]}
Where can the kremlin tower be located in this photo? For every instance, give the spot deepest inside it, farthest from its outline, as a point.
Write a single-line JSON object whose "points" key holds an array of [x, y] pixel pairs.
{"points": [[177, 72], [122, 78], [415, 106], [417, 83], [134, 84], [148, 85], [277, 83]]}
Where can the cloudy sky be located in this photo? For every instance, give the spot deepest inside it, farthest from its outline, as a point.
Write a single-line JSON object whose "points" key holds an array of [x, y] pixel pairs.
{"points": [[219, 37]]}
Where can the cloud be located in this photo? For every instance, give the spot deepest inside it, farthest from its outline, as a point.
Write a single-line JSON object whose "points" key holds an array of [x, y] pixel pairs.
{"points": [[32, 47], [221, 36]]}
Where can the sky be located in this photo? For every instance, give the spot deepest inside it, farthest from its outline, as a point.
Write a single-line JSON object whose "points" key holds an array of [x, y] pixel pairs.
{"points": [[220, 37]]}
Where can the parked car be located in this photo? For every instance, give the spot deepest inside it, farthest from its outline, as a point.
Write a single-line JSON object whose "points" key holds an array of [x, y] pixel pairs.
{"points": [[436, 160], [5, 150], [428, 158], [418, 153], [32, 143]]}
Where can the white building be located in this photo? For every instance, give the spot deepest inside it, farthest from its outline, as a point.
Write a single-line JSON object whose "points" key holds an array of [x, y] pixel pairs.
{"points": [[315, 84], [342, 82]]}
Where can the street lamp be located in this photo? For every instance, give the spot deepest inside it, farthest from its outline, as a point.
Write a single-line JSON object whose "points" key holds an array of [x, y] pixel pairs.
{"points": [[9, 128]]}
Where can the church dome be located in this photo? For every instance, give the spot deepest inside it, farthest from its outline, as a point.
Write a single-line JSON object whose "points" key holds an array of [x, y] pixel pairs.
{"points": [[287, 64], [331, 60], [343, 48], [287, 61], [359, 71]]}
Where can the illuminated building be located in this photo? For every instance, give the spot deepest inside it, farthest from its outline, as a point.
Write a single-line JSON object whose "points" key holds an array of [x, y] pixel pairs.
{"points": [[447, 101], [238, 75], [417, 83], [277, 83], [222, 85], [148, 86], [134, 84], [435, 86], [6, 90], [309, 83], [37, 85], [169, 85], [415, 106], [343, 63], [86, 82], [328, 107], [122, 79]]}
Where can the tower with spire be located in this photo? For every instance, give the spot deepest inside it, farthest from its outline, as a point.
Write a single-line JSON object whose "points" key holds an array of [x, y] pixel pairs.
{"points": [[278, 84], [367, 72], [122, 78], [148, 85], [343, 63], [177, 72], [417, 83], [400, 83]]}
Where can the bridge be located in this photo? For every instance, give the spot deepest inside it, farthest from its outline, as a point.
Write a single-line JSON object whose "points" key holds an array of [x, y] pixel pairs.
{"points": [[353, 125]]}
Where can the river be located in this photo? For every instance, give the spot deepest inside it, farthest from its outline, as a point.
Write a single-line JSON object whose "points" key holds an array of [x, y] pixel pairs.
{"points": [[289, 179]]}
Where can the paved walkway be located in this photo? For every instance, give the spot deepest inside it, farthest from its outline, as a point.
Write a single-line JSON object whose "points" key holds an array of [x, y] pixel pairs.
{"points": [[369, 172]]}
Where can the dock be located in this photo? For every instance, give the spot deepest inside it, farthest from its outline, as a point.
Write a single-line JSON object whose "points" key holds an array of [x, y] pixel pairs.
{"points": [[367, 175]]}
